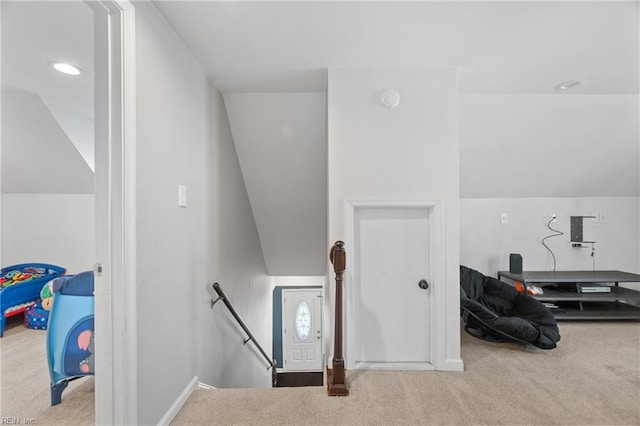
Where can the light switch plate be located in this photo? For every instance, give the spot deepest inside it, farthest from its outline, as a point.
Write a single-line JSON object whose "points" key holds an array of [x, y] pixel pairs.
{"points": [[182, 196]]}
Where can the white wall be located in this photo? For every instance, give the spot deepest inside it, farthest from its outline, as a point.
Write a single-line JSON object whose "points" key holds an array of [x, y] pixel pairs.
{"points": [[237, 264], [560, 145], [49, 228], [406, 153], [184, 139], [306, 281], [486, 243]]}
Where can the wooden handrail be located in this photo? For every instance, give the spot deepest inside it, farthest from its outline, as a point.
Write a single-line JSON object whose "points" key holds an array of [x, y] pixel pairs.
{"points": [[336, 385], [227, 302]]}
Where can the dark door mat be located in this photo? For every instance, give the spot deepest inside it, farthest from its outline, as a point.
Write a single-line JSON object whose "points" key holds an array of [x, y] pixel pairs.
{"points": [[289, 380]]}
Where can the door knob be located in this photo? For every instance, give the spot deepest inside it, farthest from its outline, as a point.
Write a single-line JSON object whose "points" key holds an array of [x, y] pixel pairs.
{"points": [[423, 284]]}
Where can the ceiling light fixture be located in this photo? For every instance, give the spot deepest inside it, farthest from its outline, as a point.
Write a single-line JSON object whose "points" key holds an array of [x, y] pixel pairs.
{"points": [[66, 68], [569, 84]]}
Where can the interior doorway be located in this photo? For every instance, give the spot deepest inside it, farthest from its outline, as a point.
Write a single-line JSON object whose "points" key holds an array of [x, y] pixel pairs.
{"points": [[391, 292], [394, 285], [115, 269], [48, 208]]}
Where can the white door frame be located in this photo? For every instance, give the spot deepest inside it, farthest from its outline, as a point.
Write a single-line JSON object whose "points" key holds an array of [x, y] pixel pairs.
{"points": [[115, 271], [437, 262], [285, 336]]}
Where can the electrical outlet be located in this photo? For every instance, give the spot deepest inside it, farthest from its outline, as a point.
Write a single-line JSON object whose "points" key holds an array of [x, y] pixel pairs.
{"points": [[553, 217], [504, 218], [595, 217], [602, 217]]}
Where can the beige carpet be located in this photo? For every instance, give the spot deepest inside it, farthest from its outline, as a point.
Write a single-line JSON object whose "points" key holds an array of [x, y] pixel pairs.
{"points": [[24, 391], [592, 378]]}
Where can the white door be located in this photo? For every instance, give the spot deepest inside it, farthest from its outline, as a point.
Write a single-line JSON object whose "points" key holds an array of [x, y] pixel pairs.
{"points": [[390, 295], [302, 329]]}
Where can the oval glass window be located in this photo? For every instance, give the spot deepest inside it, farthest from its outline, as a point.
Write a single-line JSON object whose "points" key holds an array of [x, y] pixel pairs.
{"points": [[303, 321]]}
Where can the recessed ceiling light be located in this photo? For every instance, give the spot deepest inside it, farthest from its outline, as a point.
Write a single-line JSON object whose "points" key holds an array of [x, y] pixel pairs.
{"points": [[66, 68], [569, 84]]}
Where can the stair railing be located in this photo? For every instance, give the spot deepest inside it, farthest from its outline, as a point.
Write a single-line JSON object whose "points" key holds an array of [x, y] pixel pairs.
{"points": [[336, 385], [251, 338]]}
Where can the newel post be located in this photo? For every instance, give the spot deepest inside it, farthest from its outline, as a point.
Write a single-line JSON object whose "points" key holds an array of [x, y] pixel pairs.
{"points": [[336, 385]]}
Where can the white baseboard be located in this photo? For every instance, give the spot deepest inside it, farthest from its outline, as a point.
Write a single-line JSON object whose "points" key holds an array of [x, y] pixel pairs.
{"points": [[455, 364], [177, 405], [202, 385]]}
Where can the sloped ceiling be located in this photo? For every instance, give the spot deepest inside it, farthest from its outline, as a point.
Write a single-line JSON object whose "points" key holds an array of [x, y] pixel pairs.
{"points": [[549, 146], [37, 155], [281, 144], [518, 136], [264, 50], [36, 33]]}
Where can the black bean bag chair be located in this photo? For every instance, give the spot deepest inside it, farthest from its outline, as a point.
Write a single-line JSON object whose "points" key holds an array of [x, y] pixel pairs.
{"points": [[495, 311]]}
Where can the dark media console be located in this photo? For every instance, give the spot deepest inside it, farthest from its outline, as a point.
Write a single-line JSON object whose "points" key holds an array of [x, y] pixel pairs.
{"points": [[563, 295]]}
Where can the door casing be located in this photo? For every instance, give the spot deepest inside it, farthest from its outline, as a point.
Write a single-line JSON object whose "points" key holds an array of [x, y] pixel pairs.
{"points": [[115, 165], [288, 327], [437, 262]]}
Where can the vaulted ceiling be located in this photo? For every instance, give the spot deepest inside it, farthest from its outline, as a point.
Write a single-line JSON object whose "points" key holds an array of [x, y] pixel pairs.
{"points": [[47, 117], [259, 51], [270, 61]]}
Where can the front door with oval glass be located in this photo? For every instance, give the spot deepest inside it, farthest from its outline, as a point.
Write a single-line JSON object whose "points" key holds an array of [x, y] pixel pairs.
{"points": [[302, 329]]}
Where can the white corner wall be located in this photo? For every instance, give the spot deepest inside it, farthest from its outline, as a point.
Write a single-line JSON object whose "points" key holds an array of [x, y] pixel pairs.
{"points": [[408, 153], [532, 155], [183, 138], [58, 229], [281, 143], [37, 155], [237, 264]]}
